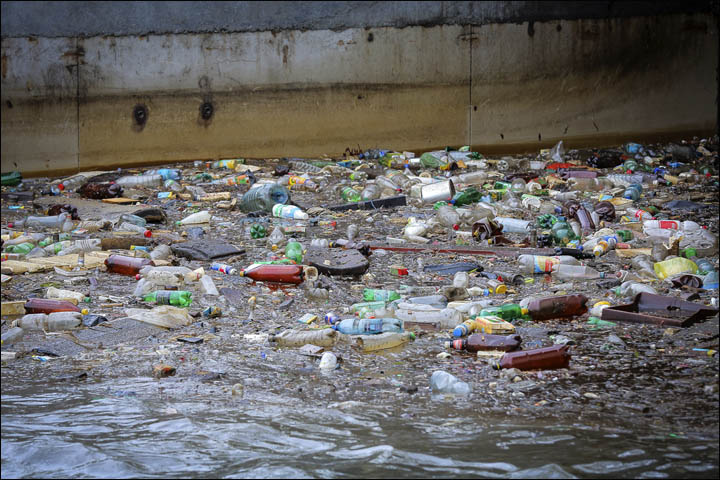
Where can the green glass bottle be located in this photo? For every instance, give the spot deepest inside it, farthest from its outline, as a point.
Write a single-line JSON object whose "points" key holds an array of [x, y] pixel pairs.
{"points": [[624, 235], [294, 251], [178, 298], [372, 294], [509, 311], [562, 233], [349, 194], [547, 220], [11, 179], [500, 185]]}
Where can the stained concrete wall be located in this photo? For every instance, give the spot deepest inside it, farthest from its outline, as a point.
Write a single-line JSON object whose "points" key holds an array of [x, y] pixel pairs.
{"points": [[424, 81]]}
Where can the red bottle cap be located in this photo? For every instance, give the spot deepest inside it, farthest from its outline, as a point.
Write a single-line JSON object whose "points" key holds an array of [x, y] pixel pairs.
{"points": [[138, 277], [10, 225], [61, 186], [456, 227], [147, 234]]}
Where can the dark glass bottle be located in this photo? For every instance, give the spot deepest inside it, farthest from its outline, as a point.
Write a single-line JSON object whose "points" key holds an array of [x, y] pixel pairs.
{"points": [[548, 358], [557, 307], [126, 265]]}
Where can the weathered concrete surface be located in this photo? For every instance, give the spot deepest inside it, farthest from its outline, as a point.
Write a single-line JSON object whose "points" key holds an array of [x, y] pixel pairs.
{"points": [[499, 87], [86, 19]]}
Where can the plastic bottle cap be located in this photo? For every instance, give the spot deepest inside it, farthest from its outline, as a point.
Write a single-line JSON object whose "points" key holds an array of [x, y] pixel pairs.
{"points": [[11, 225], [138, 276], [601, 303], [456, 227], [61, 186], [84, 311], [524, 311], [147, 234]]}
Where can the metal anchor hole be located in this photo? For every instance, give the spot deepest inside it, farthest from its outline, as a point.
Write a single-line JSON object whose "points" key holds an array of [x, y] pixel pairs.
{"points": [[140, 114], [206, 110]]}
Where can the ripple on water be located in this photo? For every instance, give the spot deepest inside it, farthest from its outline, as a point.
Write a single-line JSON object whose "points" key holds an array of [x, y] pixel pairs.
{"points": [[612, 466]]}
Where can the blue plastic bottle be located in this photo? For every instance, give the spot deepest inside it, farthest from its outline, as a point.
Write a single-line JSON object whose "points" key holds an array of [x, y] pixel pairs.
{"points": [[633, 192]]}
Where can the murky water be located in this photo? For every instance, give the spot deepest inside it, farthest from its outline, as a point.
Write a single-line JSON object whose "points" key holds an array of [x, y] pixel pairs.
{"points": [[112, 429]]}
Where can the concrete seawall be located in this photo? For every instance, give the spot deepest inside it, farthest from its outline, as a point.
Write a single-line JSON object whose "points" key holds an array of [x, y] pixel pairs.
{"points": [[78, 100]]}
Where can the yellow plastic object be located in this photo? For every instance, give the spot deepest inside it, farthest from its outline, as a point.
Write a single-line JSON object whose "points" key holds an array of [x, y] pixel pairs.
{"points": [[674, 266], [493, 325]]}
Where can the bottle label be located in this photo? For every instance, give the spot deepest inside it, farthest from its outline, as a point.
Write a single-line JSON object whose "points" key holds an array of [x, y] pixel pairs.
{"points": [[669, 224], [545, 264], [639, 213]]}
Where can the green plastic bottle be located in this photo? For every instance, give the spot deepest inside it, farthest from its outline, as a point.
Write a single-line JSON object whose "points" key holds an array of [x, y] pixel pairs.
{"points": [[178, 298], [258, 231], [357, 307], [294, 251], [349, 194], [21, 248], [509, 311], [624, 235], [372, 294], [467, 197], [600, 323], [562, 233], [547, 220], [49, 240]]}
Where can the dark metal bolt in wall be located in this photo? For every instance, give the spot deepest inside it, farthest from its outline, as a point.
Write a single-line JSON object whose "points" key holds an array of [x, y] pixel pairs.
{"points": [[140, 114]]}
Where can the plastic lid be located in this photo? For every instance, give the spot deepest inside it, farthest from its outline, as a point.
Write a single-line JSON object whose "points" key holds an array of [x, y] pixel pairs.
{"points": [[84, 311], [147, 234], [60, 186], [138, 276], [524, 311], [603, 302]]}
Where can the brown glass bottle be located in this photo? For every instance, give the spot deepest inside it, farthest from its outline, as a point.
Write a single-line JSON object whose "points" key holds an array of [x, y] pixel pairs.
{"points": [[480, 341], [122, 243], [557, 307], [47, 305], [548, 358], [126, 265], [274, 273]]}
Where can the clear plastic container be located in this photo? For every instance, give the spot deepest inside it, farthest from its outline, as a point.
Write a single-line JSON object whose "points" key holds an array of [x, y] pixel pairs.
{"points": [[140, 181], [514, 225], [575, 272], [13, 335], [289, 211], [264, 197], [62, 222], [543, 264], [368, 326]]}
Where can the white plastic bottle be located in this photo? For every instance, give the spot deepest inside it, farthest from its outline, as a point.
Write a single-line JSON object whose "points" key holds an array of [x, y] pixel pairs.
{"points": [[514, 225], [53, 292], [543, 264]]}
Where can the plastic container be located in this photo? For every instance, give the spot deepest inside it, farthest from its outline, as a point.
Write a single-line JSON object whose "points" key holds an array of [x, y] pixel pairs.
{"points": [[54, 322], [448, 217], [349, 194], [563, 306], [484, 324], [178, 298], [165, 173], [514, 225], [557, 356], [57, 293], [123, 265], [208, 286], [134, 219], [62, 222], [480, 342], [325, 337], [633, 192], [44, 305], [274, 273], [436, 301], [371, 192], [84, 246], [630, 289], [71, 183], [639, 214], [13, 335], [264, 198], [288, 211], [224, 268], [509, 311], [445, 319], [686, 226], [294, 251], [443, 382], [383, 341], [375, 295], [368, 326]]}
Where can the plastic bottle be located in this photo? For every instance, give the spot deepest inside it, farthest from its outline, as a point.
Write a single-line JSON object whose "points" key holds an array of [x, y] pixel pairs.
{"points": [[195, 218], [481, 341], [54, 322], [294, 251], [386, 184], [264, 197], [674, 266], [349, 194], [514, 225], [543, 264], [161, 252], [99, 191], [319, 243], [140, 181], [62, 221], [274, 273], [382, 341], [45, 305], [448, 217], [443, 382], [557, 307], [509, 311], [445, 318], [165, 173], [470, 178], [288, 211], [126, 265], [461, 280], [375, 295], [436, 301], [633, 192], [224, 268], [686, 226], [71, 183], [368, 326], [134, 219], [639, 214], [178, 298], [710, 281], [57, 293], [630, 289], [557, 356], [325, 337], [22, 248], [301, 166], [575, 272], [371, 192], [13, 335]]}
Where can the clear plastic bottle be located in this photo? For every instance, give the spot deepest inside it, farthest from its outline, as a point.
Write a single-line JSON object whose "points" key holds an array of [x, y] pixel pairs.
{"points": [[644, 265], [165, 173], [461, 280], [399, 179], [686, 226], [624, 180], [630, 289], [58, 293], [575, 272], [514, 225], [371, 192], [639, 214], [446, 318], [443, 382], [387, 184], [84, 245], [134, 219], [368, 326], [543, 264], [54, 322], [264, 197], [276, 237], [325, 337], [161, 252], [13, 335], [174, 185], [62, 222], [71, 183], [448, 217], [470, 178], [140, 181], [300, 166]]}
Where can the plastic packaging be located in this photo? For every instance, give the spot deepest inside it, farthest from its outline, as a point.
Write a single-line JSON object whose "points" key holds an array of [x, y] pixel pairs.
{"points": [[448, 217], [374, 295], [543, 264], [674, 266], [274, 273], [325, 337], [223, 268], [483, 324], [294, 251], [514, 225], [382, 341], [349, 194], [443, 382], [481, 341], [445, 319], [134, 219], [53, 292], [575, 272]]}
